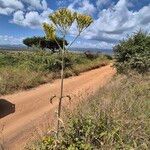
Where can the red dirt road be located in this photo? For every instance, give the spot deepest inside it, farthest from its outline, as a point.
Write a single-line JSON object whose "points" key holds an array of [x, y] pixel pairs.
{"points": [[32, 107]]}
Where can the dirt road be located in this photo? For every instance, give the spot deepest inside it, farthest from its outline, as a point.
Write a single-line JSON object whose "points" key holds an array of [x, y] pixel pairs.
{"points": [[33, 110]]}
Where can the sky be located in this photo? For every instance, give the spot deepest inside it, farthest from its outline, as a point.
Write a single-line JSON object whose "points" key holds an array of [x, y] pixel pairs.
{"points": [[114, 20]]}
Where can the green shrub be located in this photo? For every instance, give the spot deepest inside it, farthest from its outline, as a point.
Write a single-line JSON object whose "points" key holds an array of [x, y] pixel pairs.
{"points": [[133, 53], [91, 55]]}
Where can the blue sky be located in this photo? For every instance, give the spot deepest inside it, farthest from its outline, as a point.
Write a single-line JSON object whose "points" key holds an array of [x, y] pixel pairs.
{"points": [[113, 19]]}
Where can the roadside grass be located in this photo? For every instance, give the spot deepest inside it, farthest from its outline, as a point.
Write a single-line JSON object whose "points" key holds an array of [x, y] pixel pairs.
{"points": [[117, 117], [24, 70]]}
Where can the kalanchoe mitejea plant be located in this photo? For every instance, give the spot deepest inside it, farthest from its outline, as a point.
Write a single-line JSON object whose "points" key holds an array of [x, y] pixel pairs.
{"points": [[61, 22]]}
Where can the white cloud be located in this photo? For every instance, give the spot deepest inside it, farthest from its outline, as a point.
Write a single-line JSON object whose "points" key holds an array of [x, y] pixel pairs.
{"points": [[26, 12], [31, 19], [36, 4], [113, 24], [62, 3], [6, 11], [144, 20], [87, 7], [110, 25], [9, 6], [16, 4], [92, 44], [18, 17], [82, 6], [100, 3], [11, 40]]}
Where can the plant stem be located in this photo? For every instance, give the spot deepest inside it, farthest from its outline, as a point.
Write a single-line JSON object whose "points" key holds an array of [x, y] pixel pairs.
{"points": [[61, 89], [73, 40], [58, 44]]}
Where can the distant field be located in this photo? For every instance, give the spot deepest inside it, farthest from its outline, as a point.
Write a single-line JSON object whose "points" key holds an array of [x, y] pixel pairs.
{"points": [[23, 70], [82, 50]]}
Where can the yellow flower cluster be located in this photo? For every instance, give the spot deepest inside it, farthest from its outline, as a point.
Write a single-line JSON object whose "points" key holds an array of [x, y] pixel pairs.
{"points": [[62, 19]]}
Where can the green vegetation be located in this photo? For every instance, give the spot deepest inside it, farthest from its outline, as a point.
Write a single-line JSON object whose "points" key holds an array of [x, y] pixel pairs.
{"points": [[23, 70], [117, 117], [133, 53]]}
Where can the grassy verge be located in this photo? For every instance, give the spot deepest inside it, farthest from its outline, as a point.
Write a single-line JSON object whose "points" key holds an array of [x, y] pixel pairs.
{"points": [[23, 70], [117, 117]]}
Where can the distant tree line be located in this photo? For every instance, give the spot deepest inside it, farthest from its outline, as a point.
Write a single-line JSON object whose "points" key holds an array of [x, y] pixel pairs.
{"points": [[43, 43]]}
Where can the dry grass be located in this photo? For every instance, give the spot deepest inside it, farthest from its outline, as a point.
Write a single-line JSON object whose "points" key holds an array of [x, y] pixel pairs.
{"points": [[13, 79], [24, 70], [117, 117]]}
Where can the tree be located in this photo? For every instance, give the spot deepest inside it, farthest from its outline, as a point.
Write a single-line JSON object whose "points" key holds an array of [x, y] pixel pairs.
{"points": [[42, 42], [62, 21], [133, 53]]}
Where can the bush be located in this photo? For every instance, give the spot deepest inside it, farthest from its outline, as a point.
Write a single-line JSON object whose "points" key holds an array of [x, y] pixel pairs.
{"points": [[91, 55], [133, 53]]}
